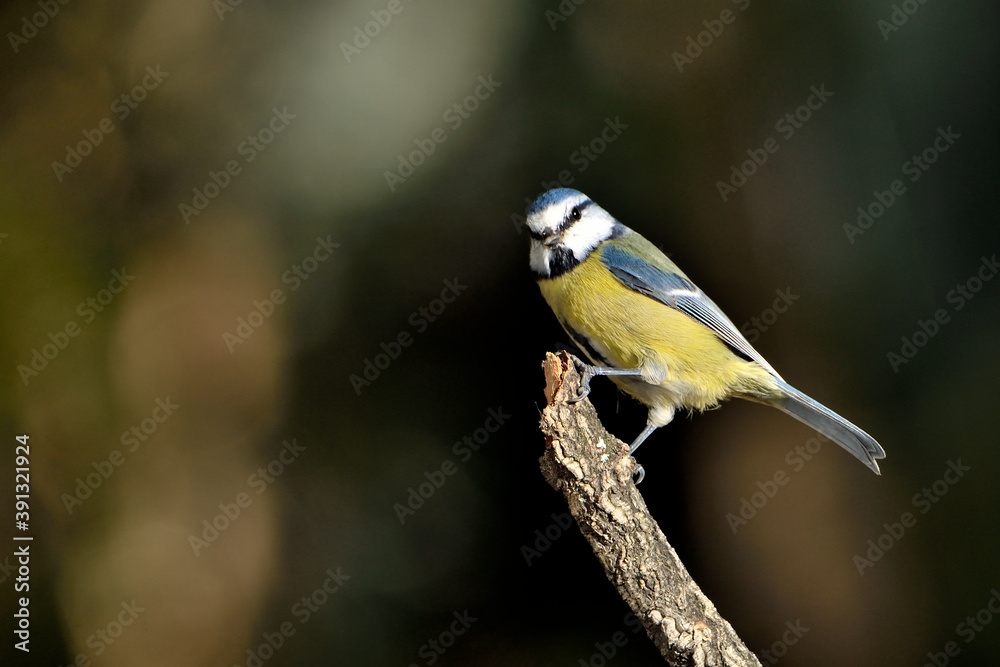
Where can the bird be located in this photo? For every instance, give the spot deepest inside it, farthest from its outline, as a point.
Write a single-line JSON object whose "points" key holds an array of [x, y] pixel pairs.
{"points": [[642, 322]]}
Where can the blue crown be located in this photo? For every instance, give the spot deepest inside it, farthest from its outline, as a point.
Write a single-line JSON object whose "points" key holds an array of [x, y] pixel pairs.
{"points": [[552, 197]]}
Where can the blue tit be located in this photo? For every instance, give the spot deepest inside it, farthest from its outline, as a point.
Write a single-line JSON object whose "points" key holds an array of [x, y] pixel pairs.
{"points": [[642, 322]]}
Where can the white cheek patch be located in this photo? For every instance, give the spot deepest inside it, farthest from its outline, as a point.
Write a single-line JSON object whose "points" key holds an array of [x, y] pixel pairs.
{"points": [[588, 233]]}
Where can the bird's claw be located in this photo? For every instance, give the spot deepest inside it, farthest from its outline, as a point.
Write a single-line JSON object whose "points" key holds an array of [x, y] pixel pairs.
{"points": [[586, 375], [641, 472]]}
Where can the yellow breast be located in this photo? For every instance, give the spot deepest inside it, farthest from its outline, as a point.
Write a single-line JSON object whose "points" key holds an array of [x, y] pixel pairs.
{"points": [[631, 330]]}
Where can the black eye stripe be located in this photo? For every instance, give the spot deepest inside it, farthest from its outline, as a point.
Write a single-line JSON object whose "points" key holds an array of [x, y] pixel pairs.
{"points": [[574, 214]]}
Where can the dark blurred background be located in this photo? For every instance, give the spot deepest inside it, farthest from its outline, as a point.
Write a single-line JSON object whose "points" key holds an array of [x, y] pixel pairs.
{"points": [[268, 322]]}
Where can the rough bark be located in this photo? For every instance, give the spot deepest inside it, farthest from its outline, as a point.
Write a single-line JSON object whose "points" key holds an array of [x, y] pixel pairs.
{"points": [[593, 470]]}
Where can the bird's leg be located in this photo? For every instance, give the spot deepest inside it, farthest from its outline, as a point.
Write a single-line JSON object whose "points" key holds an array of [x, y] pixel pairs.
{"points": [[588, 372], [639, 470], [642, 436]]}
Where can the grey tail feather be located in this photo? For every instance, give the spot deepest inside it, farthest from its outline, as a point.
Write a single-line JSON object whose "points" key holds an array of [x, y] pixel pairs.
{"points": [[829, 423]]}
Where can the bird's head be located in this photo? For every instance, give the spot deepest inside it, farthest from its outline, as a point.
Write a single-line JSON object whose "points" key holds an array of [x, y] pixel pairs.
{"points": [[565, 227]]}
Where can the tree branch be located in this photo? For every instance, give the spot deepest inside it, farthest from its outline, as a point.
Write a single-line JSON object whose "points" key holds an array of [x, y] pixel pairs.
{"points": [[593, 471]]}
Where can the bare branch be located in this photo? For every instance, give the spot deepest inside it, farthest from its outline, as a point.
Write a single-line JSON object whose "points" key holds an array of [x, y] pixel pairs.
{"points": [[593, 471]]}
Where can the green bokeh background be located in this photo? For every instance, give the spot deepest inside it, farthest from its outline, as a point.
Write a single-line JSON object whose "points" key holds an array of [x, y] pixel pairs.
{"points": [[560, 73]]}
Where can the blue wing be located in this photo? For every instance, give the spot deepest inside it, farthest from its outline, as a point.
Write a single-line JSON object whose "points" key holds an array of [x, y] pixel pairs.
{"points": [[676, 291]]}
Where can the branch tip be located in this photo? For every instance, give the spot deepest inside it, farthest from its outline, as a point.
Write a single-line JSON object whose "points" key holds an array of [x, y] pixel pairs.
{"points": [[593, 471]]}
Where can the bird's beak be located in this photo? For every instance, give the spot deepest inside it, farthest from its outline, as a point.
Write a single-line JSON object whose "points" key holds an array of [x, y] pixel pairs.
{"points": [[553, 240]]}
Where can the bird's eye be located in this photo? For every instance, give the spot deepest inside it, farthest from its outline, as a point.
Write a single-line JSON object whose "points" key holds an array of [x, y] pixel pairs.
{"points": [[575, 213]]}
